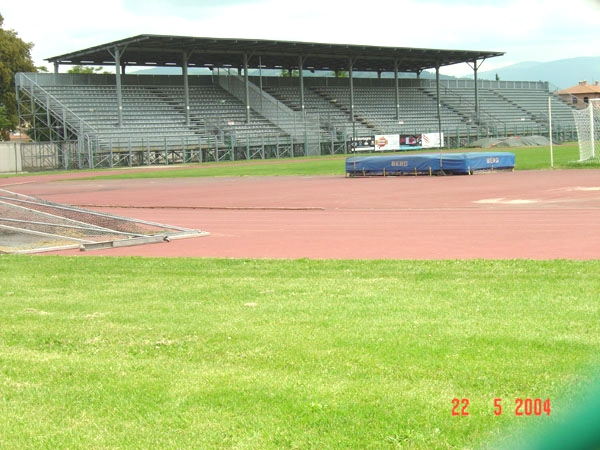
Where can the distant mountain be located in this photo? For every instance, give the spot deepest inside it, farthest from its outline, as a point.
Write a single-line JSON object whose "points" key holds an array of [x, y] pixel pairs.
{"points": [[561, 74], [167, 71], [277, 73]]}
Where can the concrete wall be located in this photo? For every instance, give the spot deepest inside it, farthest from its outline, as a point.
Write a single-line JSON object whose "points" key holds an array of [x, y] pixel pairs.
{"points": [[10, 157]]}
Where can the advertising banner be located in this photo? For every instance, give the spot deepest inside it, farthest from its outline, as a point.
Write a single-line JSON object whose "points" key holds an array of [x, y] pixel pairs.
{"points": [[410, 141], [395, 142], [387, 142], [362, 144], [432, 140]]}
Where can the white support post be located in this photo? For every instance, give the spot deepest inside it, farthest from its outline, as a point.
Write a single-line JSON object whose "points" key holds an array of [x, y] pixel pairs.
{"points": [[592, 133], [550, 131], [186, 86]]}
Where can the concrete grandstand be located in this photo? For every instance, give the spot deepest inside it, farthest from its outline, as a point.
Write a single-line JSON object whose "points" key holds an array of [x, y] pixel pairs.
{"points": [[233, 112]]}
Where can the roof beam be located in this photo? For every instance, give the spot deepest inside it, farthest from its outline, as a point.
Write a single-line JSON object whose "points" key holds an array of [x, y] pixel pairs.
{"points": [[165, 50]]}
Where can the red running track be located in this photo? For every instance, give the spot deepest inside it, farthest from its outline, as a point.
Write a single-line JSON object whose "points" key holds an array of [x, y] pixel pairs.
{"points": [[528, 214]]}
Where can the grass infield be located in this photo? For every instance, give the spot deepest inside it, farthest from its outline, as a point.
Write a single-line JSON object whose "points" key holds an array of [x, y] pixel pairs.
{"points": [[103, 352], [527, 158]]}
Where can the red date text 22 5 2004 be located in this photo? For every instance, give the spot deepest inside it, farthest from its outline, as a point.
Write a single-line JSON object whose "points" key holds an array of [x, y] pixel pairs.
{"points": [[522, 407]]}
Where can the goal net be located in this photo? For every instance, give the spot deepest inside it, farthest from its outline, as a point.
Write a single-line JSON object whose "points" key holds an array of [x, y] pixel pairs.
{"points": [[588, 131]]}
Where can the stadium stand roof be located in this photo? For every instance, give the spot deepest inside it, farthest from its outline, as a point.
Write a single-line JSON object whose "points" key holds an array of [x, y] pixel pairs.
{"points": [[162, 50]]}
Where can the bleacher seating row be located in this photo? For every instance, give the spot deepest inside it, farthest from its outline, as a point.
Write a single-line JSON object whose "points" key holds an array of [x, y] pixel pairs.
{"points": [[158, 111]]}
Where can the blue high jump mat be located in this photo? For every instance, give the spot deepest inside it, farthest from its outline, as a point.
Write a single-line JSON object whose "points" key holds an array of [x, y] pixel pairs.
{"points": [[429, 164]]}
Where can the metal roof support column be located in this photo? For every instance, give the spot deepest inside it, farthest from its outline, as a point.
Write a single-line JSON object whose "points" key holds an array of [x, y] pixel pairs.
{"points": [[247, 86], [397, 89], [302, 110], [351, 78], [301, 76], [438, 99], [260, 80], [475, 68], [439, 112], [117, 56], [186, 87]]}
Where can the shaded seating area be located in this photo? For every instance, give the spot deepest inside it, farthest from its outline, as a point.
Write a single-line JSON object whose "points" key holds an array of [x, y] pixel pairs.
{"points": [[228, 112]]}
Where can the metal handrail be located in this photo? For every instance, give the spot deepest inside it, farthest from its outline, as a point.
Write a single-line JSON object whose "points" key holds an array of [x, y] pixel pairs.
{"points": [[292, 122], [35, 87]]}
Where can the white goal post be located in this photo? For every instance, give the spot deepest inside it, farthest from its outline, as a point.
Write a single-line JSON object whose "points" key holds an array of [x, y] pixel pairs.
{"points": [[587, 121]]}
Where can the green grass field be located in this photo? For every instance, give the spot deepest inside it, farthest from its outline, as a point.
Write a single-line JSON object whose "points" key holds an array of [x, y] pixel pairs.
{"points": [[163, 353], [527, 158], [102, 352]]}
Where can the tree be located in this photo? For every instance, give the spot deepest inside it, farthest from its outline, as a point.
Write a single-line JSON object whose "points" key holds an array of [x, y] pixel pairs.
{"points": [[4, 123], [15, 56], [288, 73], [82, 69]]}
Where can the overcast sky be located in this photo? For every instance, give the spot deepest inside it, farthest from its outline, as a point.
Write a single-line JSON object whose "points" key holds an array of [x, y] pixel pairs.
{"points": [[534, 30]]}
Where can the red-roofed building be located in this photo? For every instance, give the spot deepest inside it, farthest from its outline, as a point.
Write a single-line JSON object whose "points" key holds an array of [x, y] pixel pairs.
{"points": [[19, 136], [581, 94]]}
